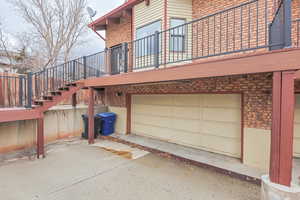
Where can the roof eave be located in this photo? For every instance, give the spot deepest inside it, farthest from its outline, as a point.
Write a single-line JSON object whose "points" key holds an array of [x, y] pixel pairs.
{"points": [[102, 20]]}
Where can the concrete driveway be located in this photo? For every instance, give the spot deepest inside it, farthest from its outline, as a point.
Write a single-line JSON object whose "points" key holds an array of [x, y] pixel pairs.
{"points": [[73, 170]]}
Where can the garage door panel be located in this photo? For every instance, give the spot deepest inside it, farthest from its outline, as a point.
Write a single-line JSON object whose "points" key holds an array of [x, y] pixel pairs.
{"points": [[152, 131], [186, 112], [297, 102], [209, 143], [152, 110], [229, 146], [186, 125], [199, 120], [187, 100], [222, 129], [222, 101], [297, 147], [152, 120], [221, 114], [188, 139], [297, 115]]}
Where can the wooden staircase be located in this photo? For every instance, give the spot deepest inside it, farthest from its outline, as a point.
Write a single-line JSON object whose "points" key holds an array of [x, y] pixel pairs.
{"points": [[55, 97]]}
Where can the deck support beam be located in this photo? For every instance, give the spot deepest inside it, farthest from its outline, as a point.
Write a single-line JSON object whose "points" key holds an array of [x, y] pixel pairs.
{"points": [[91, 124], [40, 137], [74, 100], [282, 128]]}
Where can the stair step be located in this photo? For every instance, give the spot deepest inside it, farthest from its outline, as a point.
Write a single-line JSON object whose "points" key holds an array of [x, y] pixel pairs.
{"points": [[56, 93], [40, 102], [71, 84], [64, 88], [48, 97]]}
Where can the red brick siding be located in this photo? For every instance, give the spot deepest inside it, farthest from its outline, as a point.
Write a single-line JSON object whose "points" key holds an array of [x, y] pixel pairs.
{"points": [[256, 88], [223, 32], [295, 25], [117, 33]]}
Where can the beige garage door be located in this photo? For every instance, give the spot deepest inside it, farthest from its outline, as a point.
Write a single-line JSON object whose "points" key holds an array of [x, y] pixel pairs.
{"points": [[297, 127], [211, 122]]}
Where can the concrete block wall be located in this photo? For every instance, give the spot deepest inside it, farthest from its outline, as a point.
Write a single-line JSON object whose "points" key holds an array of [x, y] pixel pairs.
{"points": [[60, 122]]}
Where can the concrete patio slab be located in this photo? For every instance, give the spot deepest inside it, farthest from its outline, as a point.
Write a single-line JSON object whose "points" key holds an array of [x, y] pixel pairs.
{"points": [[232, 165], [77, 171]]}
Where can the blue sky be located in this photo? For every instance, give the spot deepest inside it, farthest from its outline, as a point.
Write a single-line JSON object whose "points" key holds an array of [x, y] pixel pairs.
{"points": [[13, 23]]}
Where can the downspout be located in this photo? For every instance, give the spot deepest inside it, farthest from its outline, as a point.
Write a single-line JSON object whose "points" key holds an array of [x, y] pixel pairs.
{"points": [[93, 28]]}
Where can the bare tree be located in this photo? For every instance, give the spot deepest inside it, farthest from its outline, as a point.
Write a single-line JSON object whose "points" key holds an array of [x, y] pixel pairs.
{"points": [[4, 45], [57, 24]]}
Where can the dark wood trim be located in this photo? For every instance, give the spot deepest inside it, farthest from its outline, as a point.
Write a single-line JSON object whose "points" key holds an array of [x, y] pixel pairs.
{"points": [[1, 94], [287, 128], [74, 100], [40, 137], [242, 126], [275, 135], [283, 98], [10, 115], [128, 113], [91, 134], [279, 60], [297, 75]]}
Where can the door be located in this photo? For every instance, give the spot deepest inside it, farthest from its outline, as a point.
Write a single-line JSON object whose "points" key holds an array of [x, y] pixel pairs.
{"points": [[116, 59], [210, 122]]}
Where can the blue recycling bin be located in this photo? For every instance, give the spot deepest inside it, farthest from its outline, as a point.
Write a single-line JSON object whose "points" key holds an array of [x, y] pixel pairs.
{"points": [[108, 121]]}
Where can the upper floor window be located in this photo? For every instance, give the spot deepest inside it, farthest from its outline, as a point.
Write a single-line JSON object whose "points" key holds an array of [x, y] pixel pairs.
{"points": [[144, 44], [177, 35]]}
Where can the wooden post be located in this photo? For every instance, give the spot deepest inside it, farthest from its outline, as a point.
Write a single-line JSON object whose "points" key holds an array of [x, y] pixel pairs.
{"points": [[128, 106], [91, 115], [1, 93], [74, 100], [40, 137], [282, 128]]}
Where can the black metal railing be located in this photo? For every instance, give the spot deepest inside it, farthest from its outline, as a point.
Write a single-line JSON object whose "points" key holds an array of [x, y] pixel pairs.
{"points": [[50, 79], [246, 27], [237, 29], [13, 91]]}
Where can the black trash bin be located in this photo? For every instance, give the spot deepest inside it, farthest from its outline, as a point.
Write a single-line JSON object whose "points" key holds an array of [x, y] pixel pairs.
{"points": [[97, 126]]}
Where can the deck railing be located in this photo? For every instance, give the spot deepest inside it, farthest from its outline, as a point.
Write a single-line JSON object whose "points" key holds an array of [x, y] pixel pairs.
{"points": [[13, 91], [247, 27], [237, 29]]}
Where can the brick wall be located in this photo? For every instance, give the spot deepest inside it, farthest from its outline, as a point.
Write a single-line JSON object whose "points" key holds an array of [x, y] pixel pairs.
{"points": [[296, 25], [118, 33], [256, 88]]}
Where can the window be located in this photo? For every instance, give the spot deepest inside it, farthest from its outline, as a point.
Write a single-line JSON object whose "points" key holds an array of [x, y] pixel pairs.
{"points": [[144, 44], [177, 35]]}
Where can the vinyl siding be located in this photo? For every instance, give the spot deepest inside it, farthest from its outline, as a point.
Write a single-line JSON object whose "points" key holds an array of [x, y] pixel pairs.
{"points": [[144, 15]]}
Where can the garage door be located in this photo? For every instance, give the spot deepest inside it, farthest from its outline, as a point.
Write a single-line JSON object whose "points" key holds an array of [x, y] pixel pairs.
{"points": [[210, 122], [297, 127]]}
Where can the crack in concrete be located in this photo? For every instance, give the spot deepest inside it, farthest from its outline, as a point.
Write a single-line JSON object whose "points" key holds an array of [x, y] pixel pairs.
{"points": [[121, 165]]}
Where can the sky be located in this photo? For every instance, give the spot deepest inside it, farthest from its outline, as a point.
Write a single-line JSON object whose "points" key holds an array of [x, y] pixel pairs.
{"points": [[13, 23]]}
